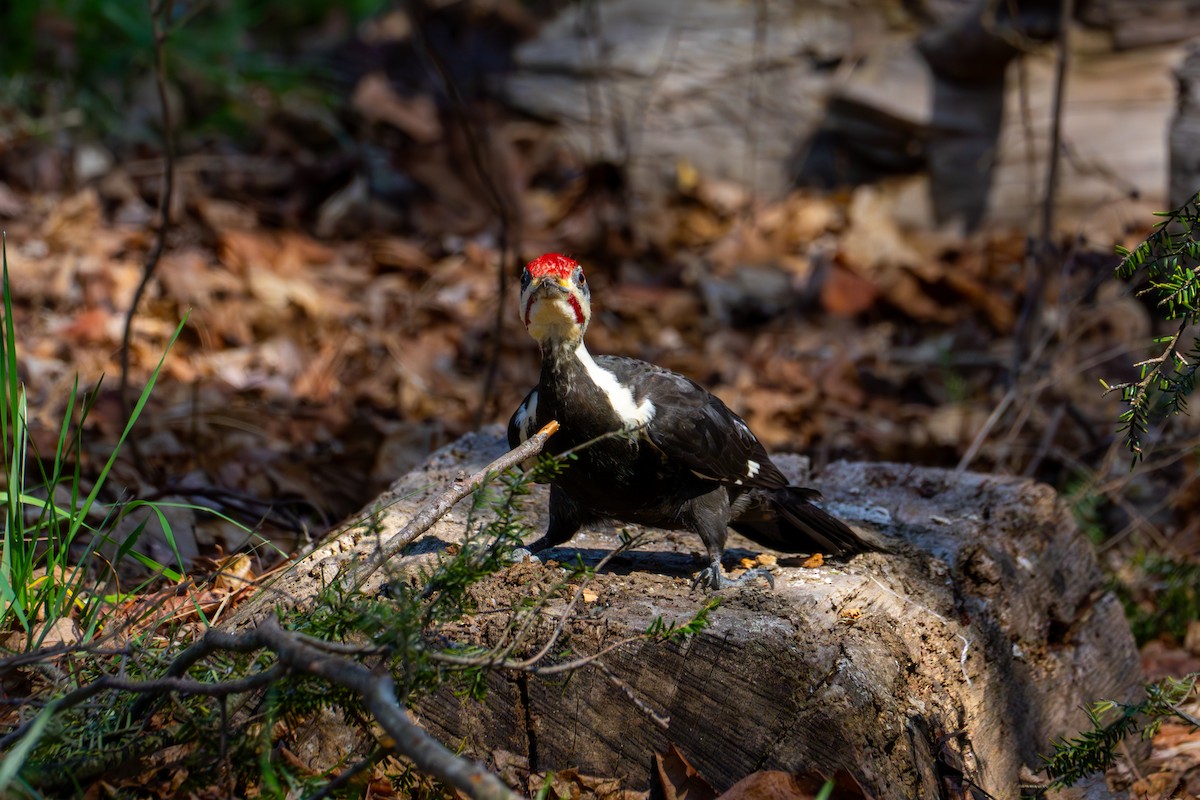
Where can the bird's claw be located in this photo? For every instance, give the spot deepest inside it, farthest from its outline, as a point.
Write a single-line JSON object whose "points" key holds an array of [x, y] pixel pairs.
{"points": [[519, 555], [751, 574], [706, 576], [713, 579]]}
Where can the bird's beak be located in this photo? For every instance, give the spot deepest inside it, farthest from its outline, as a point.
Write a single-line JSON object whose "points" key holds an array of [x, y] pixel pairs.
{"points": [[562, 284], [551, 287]]}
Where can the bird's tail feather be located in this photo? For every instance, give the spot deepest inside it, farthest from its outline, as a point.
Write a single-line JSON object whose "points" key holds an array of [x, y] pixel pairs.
{"points": [[785, 520]]}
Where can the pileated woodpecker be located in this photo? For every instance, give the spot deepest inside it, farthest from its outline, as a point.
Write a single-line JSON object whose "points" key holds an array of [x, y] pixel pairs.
{"points": [[652, 447]]}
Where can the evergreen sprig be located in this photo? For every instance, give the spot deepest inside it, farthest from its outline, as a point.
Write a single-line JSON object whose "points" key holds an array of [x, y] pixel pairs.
{"points": [[1167, 259], [1094, 749], [675, 632]]}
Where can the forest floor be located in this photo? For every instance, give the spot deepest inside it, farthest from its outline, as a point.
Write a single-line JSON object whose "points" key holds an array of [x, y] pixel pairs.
{"points": [[335, 337]]}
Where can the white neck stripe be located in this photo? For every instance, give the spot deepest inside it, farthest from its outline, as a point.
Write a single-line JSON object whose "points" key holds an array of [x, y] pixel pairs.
{"points": [[632, 414]]}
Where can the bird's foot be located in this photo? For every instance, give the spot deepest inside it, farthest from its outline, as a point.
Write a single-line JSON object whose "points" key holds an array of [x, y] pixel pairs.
{"points": [[712, 578], [519, 555]]}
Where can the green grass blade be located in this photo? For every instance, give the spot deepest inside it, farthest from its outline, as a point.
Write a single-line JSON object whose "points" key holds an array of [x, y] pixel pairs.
{"points": [[90, 500], [8, 360]]}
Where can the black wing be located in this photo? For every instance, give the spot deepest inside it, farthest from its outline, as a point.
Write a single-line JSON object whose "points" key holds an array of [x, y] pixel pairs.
{"points": [[693, 428]]}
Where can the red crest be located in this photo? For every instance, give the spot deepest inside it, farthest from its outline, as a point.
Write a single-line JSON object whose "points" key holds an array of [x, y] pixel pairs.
{"points": [[554, 264]]}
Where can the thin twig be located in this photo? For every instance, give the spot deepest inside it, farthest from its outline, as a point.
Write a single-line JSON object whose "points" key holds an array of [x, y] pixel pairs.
{"points": [[528, 665], [1066, 13], [661, 720], [159, 12], [340, 648], [1046, 440], [507, 239], [501, 654], [1039, 252], [441, 505], [1190, 719], [645, 97], [213, 641], [622, 131]]}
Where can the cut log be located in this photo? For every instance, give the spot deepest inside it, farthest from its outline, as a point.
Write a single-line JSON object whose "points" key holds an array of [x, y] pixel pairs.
{"points": [[977, 641]]}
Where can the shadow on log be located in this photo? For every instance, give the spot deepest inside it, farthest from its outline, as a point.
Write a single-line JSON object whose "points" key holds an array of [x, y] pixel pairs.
{"points": [[981, 638]]}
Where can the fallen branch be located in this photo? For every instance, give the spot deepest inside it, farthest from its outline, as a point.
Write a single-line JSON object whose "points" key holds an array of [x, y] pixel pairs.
{"points": [[378, 691], [296, 655]]}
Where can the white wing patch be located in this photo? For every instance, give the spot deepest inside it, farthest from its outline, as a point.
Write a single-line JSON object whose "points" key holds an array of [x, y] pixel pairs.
{"points": [[634, 415], [527, 416], [752, 467]]}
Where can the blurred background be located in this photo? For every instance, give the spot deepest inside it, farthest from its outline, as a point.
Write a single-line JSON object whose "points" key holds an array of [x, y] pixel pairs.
{"points": [[878, 229]]}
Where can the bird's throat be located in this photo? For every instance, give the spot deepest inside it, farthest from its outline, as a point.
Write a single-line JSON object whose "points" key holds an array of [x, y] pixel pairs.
{"points": [[555, 321]]}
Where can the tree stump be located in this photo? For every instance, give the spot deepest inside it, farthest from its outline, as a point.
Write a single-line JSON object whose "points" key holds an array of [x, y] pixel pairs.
{"points": [[977, 641]]}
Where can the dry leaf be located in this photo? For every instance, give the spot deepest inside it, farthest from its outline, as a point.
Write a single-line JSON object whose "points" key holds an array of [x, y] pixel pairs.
{"points": [[676, 779], [776, 785], [417, 116], [188, 277], [93, 326], [74, 222], [905, 291], [686, 176], [235, 572], [59, 632], [846, 293], [223, 215], [399, 253], [247, 251], [809, 217], [773, 785], [1155, 787]]}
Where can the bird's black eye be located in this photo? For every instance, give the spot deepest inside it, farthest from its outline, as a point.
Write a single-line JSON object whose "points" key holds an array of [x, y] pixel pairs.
{"points": [[581, 278], [525, 277]]}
